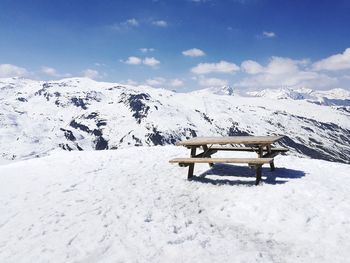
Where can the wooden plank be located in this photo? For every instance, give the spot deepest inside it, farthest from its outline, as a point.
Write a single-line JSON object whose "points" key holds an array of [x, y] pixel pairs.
{"points": [[246, 149], [206, 154], [238, 149], [250, 140], [252, 161]]}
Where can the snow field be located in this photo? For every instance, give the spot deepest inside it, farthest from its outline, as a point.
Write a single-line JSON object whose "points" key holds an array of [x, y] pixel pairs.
{"points": [[131, 205]]}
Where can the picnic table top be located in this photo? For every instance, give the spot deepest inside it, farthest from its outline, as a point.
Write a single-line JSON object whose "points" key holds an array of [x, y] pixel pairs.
{"points": [[257, 140]]}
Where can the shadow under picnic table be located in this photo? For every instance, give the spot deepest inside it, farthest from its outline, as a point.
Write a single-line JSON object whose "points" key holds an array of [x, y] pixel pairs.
{"points": [[233, 175]]}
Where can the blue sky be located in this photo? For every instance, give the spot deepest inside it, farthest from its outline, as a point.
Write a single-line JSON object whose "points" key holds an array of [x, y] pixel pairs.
{"points": [[180, 44]]}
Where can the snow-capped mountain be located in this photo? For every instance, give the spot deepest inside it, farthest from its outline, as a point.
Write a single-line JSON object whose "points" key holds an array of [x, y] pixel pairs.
{"points": [[225, 90], [81, 114], [333, 97], [282, 93]]}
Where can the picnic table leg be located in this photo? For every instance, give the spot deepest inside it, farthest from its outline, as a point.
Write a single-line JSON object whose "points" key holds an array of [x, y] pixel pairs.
{"points": [[205, 148], [258, 174], [261, 151], [258, 167], [191, 166], [272, 165]]}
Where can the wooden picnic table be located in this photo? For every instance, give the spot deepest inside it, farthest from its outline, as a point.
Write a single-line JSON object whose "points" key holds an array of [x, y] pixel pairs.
{"points": [[262, 145], [247, 140]]}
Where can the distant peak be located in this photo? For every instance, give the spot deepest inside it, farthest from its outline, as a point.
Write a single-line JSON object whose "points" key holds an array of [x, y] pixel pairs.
{"points": [[224, 90], [301, 94], [228, 90]]}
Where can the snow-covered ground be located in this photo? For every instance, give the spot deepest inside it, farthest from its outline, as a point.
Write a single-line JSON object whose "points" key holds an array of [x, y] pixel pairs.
{"points": [[131, 205]]}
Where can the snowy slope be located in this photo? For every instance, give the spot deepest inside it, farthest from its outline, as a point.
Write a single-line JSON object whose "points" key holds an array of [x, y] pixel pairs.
{"points": [[333, 97], [81, 114], [131, 205]]}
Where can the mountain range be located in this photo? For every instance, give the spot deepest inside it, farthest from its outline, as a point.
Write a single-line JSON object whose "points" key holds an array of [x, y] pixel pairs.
{"points": [[82, 114]]}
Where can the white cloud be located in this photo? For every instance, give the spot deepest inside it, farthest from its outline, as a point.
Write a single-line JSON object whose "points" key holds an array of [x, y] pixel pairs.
{"points": [[160, 81], [160, 23], [133, 61], [276, 66], [212, 82], [156, 81], [221, 67], [98, 64], [9, 70], [146, 50], [49, 71], [176, 83], [151, 62], [199, 1], [122, 26], [283, 72], [130, 82], [52, 72], [251, 67], [334, 63], [267, 34], [194, 52], [132, 22], [91, 73], [148, 61]]}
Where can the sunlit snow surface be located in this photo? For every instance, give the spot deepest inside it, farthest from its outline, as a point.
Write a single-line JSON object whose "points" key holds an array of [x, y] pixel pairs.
{"points": [[131, 205]]}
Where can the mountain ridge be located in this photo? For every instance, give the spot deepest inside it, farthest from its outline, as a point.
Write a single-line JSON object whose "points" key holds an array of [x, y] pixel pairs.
{"points": [[82, 114]]}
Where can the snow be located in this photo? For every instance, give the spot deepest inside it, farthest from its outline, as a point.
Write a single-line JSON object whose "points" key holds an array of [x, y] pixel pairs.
{"points": [[281, 93], [332, 97], [225, 90], [131, 205], [37, 117]]}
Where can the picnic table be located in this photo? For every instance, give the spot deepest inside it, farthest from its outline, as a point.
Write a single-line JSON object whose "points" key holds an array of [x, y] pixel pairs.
{"points": [[262, 145]]}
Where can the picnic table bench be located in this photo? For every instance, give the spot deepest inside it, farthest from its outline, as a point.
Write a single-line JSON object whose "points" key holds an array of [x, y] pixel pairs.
{"points": [[262, 145]]}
